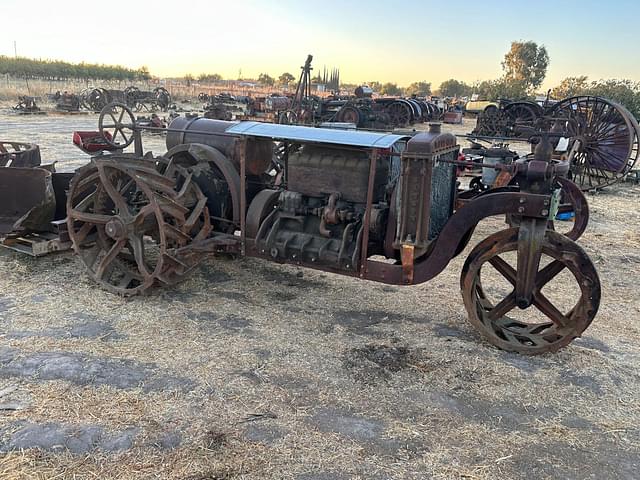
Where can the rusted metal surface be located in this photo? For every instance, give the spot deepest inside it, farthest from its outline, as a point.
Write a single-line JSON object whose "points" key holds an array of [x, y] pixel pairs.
{"points": [[444, 248], [27, 198], [32, 200], [18, 154]]}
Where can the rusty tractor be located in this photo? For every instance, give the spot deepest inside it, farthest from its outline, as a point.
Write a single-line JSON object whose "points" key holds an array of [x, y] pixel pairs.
{"points": [[374, 206], [138, 100]]}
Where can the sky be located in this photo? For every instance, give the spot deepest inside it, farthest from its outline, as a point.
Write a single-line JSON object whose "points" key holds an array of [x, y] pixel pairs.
{"points": [[398, 41]]}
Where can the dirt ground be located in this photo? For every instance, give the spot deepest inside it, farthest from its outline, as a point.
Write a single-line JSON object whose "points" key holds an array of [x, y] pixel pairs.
{"points": [[250, 370]]}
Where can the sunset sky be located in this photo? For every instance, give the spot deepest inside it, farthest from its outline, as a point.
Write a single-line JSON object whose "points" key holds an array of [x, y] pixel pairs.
{"points": [[400, 41]]}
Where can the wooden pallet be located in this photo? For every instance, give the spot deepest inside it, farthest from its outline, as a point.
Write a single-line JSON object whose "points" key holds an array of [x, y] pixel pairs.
{"points": [[40, 244]]}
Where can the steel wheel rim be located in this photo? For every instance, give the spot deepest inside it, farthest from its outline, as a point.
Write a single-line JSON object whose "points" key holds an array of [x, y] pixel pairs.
{"points": [[80, 226], [133, 216], [511, 334], [609, 139], [115, 112]]}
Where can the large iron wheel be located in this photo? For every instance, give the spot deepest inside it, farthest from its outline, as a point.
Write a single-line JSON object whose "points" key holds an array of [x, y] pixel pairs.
{"points": [[521, 113], [566, 293], [604, 140], [400, 113], [132, 220], [117, 119]]}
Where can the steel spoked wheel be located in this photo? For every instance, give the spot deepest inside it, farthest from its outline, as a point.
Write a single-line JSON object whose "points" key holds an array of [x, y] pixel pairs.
{"points": [[604, 140], [521, 113], [131, 222], [565, 300], [400, 114], [117, 120]]}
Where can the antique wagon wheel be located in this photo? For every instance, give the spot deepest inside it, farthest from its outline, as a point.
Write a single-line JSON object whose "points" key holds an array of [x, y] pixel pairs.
{"points": [[117, 119], [416, 110], [565, 300], [96, 99], [400, 113], [128, 219], [523, 112], [604, 139]]}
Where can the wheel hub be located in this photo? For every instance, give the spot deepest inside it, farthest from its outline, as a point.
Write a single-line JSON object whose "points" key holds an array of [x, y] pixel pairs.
{"points": [[116, 229]]}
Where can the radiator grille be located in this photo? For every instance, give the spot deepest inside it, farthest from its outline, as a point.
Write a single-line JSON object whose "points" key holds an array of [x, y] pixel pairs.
{"points": [[443, 187]]}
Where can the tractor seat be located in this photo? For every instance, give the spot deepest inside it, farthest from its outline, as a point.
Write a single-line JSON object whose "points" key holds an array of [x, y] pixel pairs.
{"points": [[92, 142]]}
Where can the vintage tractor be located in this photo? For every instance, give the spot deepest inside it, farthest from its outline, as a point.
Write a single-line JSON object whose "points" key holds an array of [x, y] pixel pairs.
{"points": [[374, 206]]}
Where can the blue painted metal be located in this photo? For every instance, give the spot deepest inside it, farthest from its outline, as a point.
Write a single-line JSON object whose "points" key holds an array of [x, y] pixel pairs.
{"points": [[316, 135]]}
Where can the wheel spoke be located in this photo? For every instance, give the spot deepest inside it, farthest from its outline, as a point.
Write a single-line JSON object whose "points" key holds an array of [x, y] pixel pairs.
{"points": [[110, 257], [115, 195], [506, 270], [505, 306], [93, 218], [144, 212], [85, 202], [138, 254], [81, 234], [548, 273], [543, 304]]}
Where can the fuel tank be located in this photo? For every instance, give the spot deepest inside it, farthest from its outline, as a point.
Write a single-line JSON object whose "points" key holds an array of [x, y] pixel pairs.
{"points": [[206, 131]]}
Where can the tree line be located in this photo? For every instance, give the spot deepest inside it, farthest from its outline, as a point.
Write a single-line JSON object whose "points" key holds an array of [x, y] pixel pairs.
{"points": [[59, 70]]}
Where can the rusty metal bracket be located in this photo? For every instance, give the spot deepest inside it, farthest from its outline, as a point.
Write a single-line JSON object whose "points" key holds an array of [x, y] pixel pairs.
{"points": [[530, 240]]}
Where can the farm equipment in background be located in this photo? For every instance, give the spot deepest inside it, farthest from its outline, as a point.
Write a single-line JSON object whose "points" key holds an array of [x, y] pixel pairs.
{"points": [[224, 106], [28, 105], [500, 119], [375, 206], [603, 136], [95, 99], [139, 100], [66, 102], [360, 109]]}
